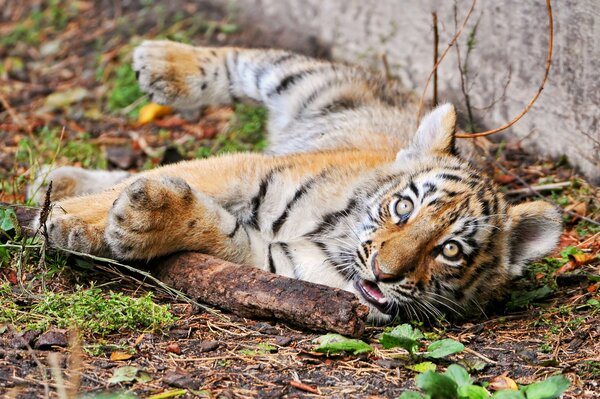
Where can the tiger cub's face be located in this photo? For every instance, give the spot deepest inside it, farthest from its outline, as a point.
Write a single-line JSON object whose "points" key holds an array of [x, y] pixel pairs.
{"points": [[442, 238]]}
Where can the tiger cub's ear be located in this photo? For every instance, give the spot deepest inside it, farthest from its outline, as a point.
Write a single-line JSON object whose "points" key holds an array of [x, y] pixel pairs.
{"points": [[435, 134], [534, 230]]}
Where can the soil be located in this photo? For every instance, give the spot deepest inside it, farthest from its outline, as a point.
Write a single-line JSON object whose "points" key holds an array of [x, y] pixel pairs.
{"points": [[221, 355]]}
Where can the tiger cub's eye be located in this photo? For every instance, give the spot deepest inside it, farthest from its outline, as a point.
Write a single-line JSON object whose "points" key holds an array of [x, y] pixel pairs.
{"points": [[451, 250], [404, 207]]}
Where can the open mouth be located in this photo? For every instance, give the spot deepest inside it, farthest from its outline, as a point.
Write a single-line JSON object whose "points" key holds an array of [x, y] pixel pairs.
{"points": [[371, 292]]}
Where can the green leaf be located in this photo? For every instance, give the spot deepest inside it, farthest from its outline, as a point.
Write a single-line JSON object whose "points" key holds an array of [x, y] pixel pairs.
{"points": [[124, 374], [439, 386], [443, 348], [458, 374], [472, 392], [508, 394], [413, 395], [569, 251], [336, 343], [422, 367], [551, 388], [7, 219], [521, 299], [403, 336]]}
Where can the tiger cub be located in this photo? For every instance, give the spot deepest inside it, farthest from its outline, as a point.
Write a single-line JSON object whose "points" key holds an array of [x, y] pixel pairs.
{"points": [[346, 195]]}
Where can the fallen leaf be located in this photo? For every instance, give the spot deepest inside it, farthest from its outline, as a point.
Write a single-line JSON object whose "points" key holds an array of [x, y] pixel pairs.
{"points": [[505, 179], [582, 259], [119, 356], [502, 382], [169, 394], [304, 387], [575, 261], [593, 288], [173, 347], [152, 111], [63, 99]]}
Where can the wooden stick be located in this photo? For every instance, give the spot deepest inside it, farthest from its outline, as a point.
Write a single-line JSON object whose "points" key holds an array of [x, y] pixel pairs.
{"points": [[250, 292]]}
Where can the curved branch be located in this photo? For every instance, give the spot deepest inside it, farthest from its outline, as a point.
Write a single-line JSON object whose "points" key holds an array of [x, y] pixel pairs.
{"points": [[537, 94]]}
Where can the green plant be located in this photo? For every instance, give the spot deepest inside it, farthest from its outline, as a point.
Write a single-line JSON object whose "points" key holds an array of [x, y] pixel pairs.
{"points": [[456, 383], [407, 337], [125, 91], [336, 343]]}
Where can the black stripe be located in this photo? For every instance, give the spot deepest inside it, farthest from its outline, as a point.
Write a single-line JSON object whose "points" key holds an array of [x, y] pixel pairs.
{"points": [[414, 189], [272, 268], [339, 105], [430, 188], [286, 82], [235, 229], [330, 220], [259, 197], [300, 192], [449, 176], [282, 58], [315, 94]]}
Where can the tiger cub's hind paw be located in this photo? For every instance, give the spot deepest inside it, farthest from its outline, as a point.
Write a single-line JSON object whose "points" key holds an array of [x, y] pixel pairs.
{"points": [[146, 218], [174, 73]]}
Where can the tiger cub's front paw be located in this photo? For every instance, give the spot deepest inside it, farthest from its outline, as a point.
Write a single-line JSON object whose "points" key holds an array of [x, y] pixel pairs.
{"points": [[146, 219], [72, 232], [174, 73]]}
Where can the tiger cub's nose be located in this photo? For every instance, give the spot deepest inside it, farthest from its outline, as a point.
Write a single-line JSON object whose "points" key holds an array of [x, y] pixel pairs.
{"points": [[379, 275]]}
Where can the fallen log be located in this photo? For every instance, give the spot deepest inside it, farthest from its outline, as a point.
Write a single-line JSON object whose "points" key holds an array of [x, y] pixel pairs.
{"points": [[250, 292]]}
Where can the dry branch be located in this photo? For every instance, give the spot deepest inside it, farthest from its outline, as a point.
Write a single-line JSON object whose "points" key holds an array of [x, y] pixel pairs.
{"points": [[250, 292]]}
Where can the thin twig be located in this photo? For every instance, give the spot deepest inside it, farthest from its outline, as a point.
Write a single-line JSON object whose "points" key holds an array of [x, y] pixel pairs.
{"points": [[479, 355], [386, 67], [456, 35], [537, 94], [436, 41], [463, 69], [540, 187]]}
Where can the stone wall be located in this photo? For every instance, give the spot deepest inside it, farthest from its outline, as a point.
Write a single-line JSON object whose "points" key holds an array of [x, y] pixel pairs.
{"points": [[511, 36]]}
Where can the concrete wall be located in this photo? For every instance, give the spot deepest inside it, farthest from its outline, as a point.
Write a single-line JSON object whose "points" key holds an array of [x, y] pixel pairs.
{"points": [[512, 35]]}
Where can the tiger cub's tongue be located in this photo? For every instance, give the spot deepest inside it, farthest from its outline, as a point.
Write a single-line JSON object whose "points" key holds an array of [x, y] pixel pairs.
{"points": [[373, 290]]}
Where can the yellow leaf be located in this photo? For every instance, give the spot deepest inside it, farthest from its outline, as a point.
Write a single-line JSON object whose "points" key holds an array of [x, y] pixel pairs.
{"points": [[115, 356], [502, 382], [152, 111]]}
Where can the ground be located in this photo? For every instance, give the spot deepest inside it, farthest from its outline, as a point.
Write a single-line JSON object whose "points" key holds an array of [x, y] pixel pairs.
{"points": [[68, 96]]}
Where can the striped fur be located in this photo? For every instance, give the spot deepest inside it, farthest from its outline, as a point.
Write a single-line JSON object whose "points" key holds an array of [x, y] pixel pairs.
{"points": [[346, 195]]}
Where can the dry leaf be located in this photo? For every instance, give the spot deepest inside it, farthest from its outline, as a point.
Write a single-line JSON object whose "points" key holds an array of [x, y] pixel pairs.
{"points": [[152, 111], [575, 261], [582, 259], [117, 355], [502, 382], [173, 347]]}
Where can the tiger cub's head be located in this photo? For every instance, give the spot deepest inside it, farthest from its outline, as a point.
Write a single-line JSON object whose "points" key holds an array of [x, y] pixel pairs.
{"points": [[438, 235]]}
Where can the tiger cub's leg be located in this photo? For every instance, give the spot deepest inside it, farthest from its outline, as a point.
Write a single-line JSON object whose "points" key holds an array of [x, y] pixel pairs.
{"points": [[304, 96], [146, 218]]}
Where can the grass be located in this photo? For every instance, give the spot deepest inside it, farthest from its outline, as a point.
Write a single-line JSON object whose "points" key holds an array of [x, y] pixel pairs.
{"points": [[91, 310], [125, 91]]}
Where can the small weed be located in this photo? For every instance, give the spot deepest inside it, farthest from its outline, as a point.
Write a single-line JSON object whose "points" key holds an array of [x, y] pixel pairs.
{"points": [[246, 131], [47, 144], [125, 91]]}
